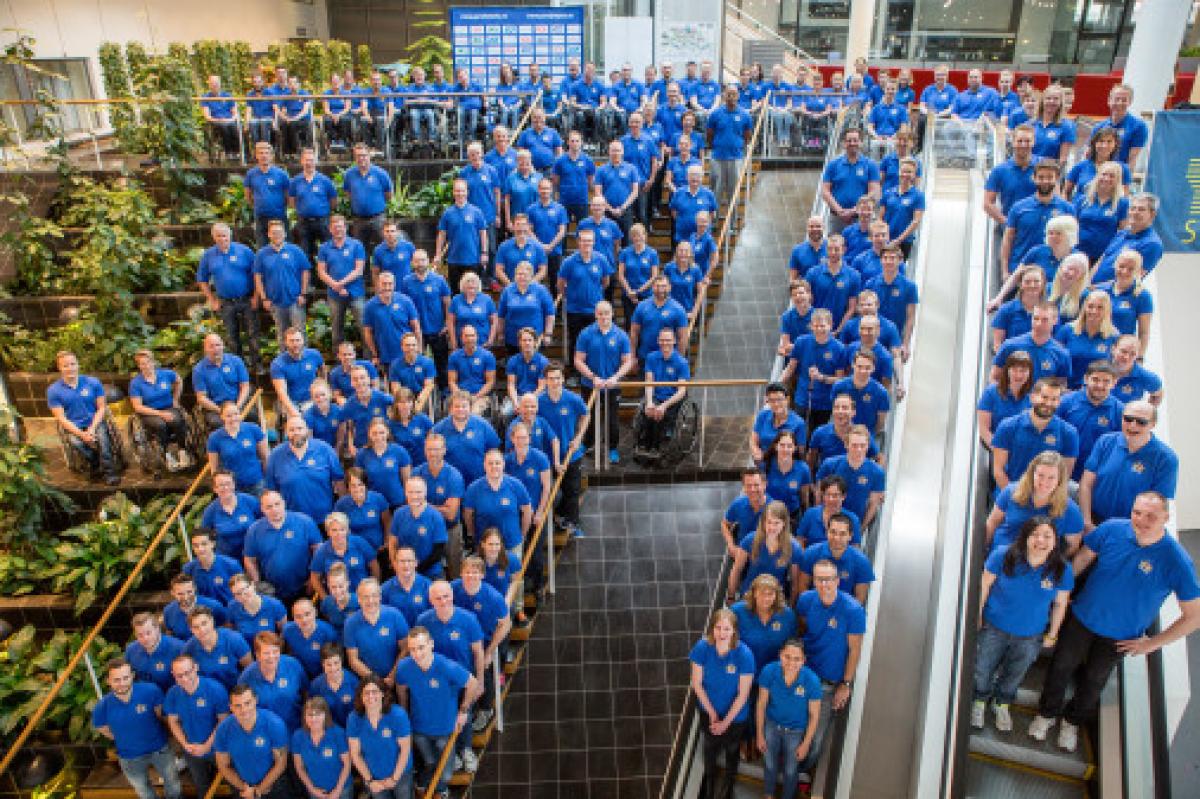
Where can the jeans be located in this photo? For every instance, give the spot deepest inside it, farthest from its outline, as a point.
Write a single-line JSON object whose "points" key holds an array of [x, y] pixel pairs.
{"points": [[468, 123], [780, 761], [311, 233], [429, 750], [167, 433], [509, 116], [201, 770], [423, 124], [99, 456], [338, 306], [725, 173], [369, 231], [403, 789], [823, 724], [287, 316], [1087, 658], [781, 120], [262, 130], [137, 771], [1001, 661], [714, 745], [347, 791]]}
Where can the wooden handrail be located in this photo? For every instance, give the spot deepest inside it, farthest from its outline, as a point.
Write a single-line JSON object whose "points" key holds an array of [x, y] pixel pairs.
{"points": [[728, 383], [271, 97], [122, 592], [537, 99]]}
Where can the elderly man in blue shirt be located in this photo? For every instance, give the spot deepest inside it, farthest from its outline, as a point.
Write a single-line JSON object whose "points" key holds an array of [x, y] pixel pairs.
{"points": [[1124, 464]]}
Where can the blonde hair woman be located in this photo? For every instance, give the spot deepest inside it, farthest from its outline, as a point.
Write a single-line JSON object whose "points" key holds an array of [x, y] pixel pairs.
{"points": [[1071, 282], [1132, 305], [1090, 337], [767, 550], [1102, 210], [1041, 491]]}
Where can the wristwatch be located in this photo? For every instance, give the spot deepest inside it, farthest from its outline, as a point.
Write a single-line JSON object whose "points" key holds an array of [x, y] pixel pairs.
{"points": [[848, 684]]}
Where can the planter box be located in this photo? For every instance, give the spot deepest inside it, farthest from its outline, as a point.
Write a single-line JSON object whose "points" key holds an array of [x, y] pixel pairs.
{"points": [[84, 758], [43, 313], [57, 611]]}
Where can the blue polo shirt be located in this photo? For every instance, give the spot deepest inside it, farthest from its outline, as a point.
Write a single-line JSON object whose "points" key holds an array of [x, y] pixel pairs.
{"points": [[453, 638], [1131, 131], [388, 323], [686, 205], [368, 192], [541, 145], [603, 352], [674, 367], [729, 129], [356, 558], [541, 435], [283, 552], [766, 562], [378, 644], [323, 425], [827, 628], [834, 291], [804, 257], [175, 620], [1049, 360], [640, 152], [411, 602], [380, 745], [366, 520], [341, 700], [298, 373], [231, 527], [722, 675], [482, 185], [788, 705], [705, 250], [1013, 318], [528, 474], [1121, 475], [652, 318], [573, 174], [383, 470], [849, 181], [887, 118], [261, 109], [679, 169], [462, 225], [221, 664], [683, 283], [283, 695], [1084, 172], [339, 262], [422, 532], [335, 614], [826, 443], [1137, 384], [313, 198], [545, 222], [564, 417], [768, 431], [608, 238], [1070, 523], [1084, 349], [394, 259], [268, 191], [465, 448], [1028, 218], [1127, 306], [974, 103], [250, 751], [478, 313], [509, 255], [889, 334], [486, 604], [1023, 442], [1049, 139], [306, 483], [584, 282], [230, 273], [764, 639], [446, 485], [811, 528], [1019, 604], [339, 378], [281, 272], [198, 711], [527, 373], [219, 105], [360, 415], [79, 403], [411, 436], [134, 724], [1043, 256], [1128, 583], [1147, 243], [471, 370], [938, 99], [524, 309], [158, 394], [270, 613], [900, 208], [154, 667], [894, 298], [1098, 223], [307, 650], [220, 382], [412, 376], [239, 453], [617, 182], [1091, 421], [322, 759], [829, 358], [869, 400], [433, 693], [426, 295], [505, 164], [639, 266], [860, 483], [213, 582], [498, 507], [742, 514]]}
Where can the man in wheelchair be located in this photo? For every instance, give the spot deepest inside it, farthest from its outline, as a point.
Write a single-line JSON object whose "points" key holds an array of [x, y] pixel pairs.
{"points": [[154, 395], [81, 410], [660, 409]]}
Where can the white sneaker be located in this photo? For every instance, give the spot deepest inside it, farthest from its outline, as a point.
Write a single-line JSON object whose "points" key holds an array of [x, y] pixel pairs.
{"points": [[1003, 719], [172, 464], [978, 708], [1039, 727], [1068, 736], [470, 761], [186, 461], [458, 762]]}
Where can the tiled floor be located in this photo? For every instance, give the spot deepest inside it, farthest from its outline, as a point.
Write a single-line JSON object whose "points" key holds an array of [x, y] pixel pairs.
{"points": [[593, 710], [745, 328]]}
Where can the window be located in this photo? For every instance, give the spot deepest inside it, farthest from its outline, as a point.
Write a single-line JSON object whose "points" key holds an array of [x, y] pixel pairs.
{"points": [[73, 82]]}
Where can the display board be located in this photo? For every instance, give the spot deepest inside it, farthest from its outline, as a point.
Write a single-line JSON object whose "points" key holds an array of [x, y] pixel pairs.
{"points": [[1174, 175], [688, 30], [483, 38]]}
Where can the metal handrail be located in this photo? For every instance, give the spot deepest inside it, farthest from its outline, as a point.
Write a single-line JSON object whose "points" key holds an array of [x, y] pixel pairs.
{"points": [[122, 592], [200, 98], [796, 50]]}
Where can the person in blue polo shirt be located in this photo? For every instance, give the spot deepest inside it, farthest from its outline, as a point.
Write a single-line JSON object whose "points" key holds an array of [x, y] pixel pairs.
{"points": [[320, 753], [904, 207], [484, 191], [1050, 359], [865, 479], [524, 304], [251, 613], [229, 515], [742, 515], [150, 653], [304, 470], [654, 314], [520, 190], [976, 100], [871, 399], [938, 97], [209, 570], [385, 463], [472, 369], [722, 677], [1135, 565], [619, 180], [641, 150], [1139, 235], [542, 141], [341, 264], [463, 238], [566, 414], [809, 252], [361, 408], [457, 636], [218, 378], [306, 635], [293, 372], [497, 500], [369, 188], [240, 448], [1025, 226], [336, 684], [1126, 463], [380, 738], [1093, 410], [787, 714], [1134, 133], [772, 419], [467, 437], [419, 527], [295, 116], [474, 595], [387, 318], [251, 746], [226, 278], [887, 116], [279, 546], [1019, 438], [834, 284], [260, 110], [817, 361], [278, 680], [313, 196], [603, 358], [281, 279], [183, 601], [661, 404], [131, 717], [393, 254], [847, 178], [582, 280], [193, 707], [266, 188], [375, 635], [1011, 180], [219, 652], [688, 201], [78, 404]]}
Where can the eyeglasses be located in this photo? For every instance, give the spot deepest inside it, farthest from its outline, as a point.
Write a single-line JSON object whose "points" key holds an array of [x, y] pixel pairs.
{"points": [[1135, 420], [825, 579]]}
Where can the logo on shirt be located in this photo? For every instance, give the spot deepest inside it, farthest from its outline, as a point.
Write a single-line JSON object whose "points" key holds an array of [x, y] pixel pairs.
{"points": [[200, 702], [283, 682], [1138, 467], [833, 624], [1146, 567], [288, 534], [311, 462], [862, 479], [799, 690], [246, 443], [140, 709], [1051, 439], [243, 518], [455, 635], [731, 669], [327, 752], [260, 742], [433, 682], [776, 626], [223, 660]]}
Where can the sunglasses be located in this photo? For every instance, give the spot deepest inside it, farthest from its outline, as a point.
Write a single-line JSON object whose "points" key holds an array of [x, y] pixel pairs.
{"points": [[1136, 420]]}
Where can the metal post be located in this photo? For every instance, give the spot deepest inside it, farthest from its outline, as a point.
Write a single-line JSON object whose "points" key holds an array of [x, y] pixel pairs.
{"points": [[498, 703], [703, 417], [241, 134], [597, 423], [262, 414], [91, 667], [566, 342], [183, 533], [95, 140]]}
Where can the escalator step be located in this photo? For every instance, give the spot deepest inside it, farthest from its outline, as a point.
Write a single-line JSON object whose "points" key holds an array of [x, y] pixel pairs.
{"points": [[993, 779], [1018, 749]]}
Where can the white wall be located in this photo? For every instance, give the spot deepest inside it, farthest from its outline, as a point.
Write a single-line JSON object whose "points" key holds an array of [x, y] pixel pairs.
{"points": [[76, 28]]}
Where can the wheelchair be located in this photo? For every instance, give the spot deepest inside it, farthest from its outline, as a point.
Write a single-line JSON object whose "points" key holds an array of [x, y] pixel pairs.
{"points": [[678, 442], [78, 464], [150, 454]]}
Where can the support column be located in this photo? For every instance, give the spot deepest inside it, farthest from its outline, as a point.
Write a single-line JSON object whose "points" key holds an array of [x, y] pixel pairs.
{"points": [[1157, 34], [858, 40]]}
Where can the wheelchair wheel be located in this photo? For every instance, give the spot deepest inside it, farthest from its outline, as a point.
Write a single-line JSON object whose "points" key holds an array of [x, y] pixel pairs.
{"points": [[683, 439], [120, 449], [641, 456], [75, 462], [146, 448], [197, 438]]}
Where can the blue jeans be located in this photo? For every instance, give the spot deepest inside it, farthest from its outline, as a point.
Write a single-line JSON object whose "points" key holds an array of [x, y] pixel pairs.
{"points": [[781, 120], [137, 771], [429, 750], [509, 116], [780, 761], [99, 455], [468, 121], [403, 789], [1001, 661], [347, 789], [422, 119], [262, 130], [287, 316]]}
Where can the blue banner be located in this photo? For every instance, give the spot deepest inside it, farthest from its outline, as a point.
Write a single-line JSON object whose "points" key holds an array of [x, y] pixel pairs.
{"points": [[484, 38], [1174, 176]]}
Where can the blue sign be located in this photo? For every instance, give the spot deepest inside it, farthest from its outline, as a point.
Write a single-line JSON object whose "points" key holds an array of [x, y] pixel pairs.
{"points": [[484, 38], [1174, 175]]}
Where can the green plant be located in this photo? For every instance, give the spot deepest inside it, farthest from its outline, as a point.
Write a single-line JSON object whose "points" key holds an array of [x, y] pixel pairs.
{"points": [[241, 68], [30, 240], [171, 126], [231, 204], [364, 65], [117, 86], [1190, 52], [26, 497], [430, 200], [137, 60], [429, 50], [293, 59], [29, 669], [176, 344], [339, 56], [316, 64]]}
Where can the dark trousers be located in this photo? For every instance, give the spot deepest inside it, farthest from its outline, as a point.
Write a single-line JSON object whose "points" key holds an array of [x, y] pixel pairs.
{"points": [[553, 262], [369, 231], [576, 322], [99, 456], [311, 233], [611, 399], [455, 272], [624, 220], [337, 130], [201, 770], [226, 134], [167, 433], [814, 418], [577, 212], [656, 433], [439, 349], [570, 491], [297, 135], [238, 318], [1081, 657], [714, 745]]}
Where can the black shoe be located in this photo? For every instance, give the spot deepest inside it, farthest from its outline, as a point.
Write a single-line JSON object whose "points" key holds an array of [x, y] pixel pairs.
{"points": [[113, 479]]}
